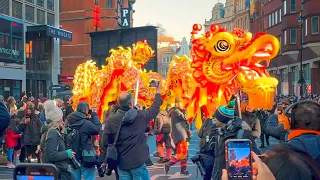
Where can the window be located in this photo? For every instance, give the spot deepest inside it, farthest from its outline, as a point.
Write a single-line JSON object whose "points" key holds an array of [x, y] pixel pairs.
{"points": [[40, 3], [293, 5], [285, 38], [315, 25], [50, 5], [109, 3], [272, 23], [284, 7], [293, 36], [269, 20], [276, 18], [280, 14], [306, 27], [306, 71], [30, 1]]}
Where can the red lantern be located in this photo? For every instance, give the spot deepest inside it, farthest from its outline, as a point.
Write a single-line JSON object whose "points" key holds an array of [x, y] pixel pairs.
{"points": [[96, 16]]}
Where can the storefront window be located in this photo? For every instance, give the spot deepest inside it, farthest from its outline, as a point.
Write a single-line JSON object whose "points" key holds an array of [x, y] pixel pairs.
{"points": [[10, 88], [5, 26], [11, 38]]}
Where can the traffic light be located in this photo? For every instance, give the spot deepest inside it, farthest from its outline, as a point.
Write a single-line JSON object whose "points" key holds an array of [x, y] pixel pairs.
{"points": [[96, 17]]}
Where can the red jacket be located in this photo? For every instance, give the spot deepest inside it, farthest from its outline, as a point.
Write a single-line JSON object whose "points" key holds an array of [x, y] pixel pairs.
{"points": [[11, 138]]}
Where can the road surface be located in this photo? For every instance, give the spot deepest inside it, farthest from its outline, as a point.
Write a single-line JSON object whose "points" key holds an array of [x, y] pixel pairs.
{"points": [[156, 171]]}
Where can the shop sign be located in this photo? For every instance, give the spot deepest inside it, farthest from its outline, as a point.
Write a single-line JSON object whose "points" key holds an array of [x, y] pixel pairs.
{"points": [[125, 17], [59, 33], [12, 52]]}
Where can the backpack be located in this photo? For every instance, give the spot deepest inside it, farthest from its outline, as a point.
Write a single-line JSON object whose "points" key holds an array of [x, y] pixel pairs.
{"points": [[72, 139]]}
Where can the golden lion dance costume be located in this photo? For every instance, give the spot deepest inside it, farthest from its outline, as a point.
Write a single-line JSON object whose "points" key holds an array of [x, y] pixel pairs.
{"points": [[222, 63]]}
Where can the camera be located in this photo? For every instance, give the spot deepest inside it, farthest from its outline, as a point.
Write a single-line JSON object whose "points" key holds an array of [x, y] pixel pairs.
{"points": [[154, 83], [197, 160]]}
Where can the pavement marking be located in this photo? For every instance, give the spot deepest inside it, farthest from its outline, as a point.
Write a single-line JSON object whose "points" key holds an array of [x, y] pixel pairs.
{"points": [[171, 176]]}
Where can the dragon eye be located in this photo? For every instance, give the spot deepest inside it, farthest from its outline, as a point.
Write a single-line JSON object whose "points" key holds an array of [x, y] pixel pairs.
{"points": [[222, 46]]}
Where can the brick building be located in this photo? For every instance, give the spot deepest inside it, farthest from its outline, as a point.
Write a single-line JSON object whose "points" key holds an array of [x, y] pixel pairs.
{"points": [[279, 17], [76, 16]]}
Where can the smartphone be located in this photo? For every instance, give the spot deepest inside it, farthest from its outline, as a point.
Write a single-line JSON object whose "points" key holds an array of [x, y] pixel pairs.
{"points": [[279, 106], [238, 159], [154, 83], [35, 171]]}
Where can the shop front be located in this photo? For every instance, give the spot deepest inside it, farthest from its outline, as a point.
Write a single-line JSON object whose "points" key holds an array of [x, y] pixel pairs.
{"points": [[42, 57], [11, 56]]}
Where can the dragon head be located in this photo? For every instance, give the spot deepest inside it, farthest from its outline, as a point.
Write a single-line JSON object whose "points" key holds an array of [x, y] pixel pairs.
{"points": [[120, 58], [142, 52], [222, 58]]}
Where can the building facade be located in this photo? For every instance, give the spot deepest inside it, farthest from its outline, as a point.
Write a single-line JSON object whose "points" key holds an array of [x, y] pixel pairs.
{"points": [[167, 49], [232, 14], [280, 18], [29, 46], [184, 48], [223, 15], [77, 16]]}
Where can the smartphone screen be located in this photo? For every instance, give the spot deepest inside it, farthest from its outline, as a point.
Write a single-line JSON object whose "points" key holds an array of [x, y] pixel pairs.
{"points": [[238, 157], [35, 172]]}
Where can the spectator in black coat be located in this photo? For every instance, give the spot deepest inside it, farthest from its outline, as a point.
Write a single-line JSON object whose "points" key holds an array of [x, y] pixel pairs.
{"points": [[131, 144]]}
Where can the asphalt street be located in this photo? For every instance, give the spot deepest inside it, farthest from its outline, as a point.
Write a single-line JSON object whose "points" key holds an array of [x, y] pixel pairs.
{"points": [[156, 171]]}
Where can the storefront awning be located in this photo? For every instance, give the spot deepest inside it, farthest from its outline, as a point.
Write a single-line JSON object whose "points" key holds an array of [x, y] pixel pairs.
{"points": [[52, 32]]}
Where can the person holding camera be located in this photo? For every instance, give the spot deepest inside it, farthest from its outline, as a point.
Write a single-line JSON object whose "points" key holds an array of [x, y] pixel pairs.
{"points": [[55, 150], [125, 131], [81, 125]]}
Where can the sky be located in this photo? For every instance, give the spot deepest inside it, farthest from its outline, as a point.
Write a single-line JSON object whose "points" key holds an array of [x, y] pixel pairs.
{"points": [[176, 16], [242, 153]]}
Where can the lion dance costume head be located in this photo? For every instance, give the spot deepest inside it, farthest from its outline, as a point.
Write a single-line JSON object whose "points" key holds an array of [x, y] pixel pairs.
{"points": [[224, 62]]}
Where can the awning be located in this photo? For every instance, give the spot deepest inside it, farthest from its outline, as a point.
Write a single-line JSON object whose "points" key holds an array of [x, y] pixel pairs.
{"points": [[52, 32]]}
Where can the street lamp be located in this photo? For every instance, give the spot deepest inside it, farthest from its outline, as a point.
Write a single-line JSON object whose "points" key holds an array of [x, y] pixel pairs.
{"points": [[301, 81]]}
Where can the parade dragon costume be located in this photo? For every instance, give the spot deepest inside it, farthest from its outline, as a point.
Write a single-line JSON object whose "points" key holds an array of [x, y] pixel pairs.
{"points": [[222, 64]]}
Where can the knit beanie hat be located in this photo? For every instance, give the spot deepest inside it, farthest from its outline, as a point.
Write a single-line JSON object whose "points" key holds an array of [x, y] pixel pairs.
{"points": [[52, 112], [225, 113]]}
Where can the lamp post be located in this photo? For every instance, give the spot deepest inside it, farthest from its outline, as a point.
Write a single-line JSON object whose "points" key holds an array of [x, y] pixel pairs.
{"points": [[301, 81]]}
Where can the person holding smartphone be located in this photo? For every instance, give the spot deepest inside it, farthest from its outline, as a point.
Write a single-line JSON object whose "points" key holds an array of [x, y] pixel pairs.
{"points": [[31, 127]]}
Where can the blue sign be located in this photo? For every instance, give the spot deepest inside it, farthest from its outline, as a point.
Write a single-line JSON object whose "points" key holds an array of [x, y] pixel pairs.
{"points": [[59, 33], [125, 17]]}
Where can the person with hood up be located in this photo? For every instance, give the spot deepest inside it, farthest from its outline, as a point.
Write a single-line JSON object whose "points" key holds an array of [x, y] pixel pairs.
{"points": [[31, 127], [231, 127], [180, 135], [131, 144], [88, 125], [55, 151]]}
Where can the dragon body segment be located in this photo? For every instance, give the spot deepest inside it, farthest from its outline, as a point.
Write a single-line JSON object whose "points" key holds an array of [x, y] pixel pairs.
{"points": [[222, 64]]}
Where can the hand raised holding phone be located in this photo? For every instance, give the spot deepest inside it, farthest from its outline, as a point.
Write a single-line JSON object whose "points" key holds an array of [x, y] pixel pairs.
{"points": [[260, 170]]}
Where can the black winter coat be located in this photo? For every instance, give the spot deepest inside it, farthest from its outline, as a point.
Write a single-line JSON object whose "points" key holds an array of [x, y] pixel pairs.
{"points": [[230, 131], [87, 128], [132, 143], [31, 131]]}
